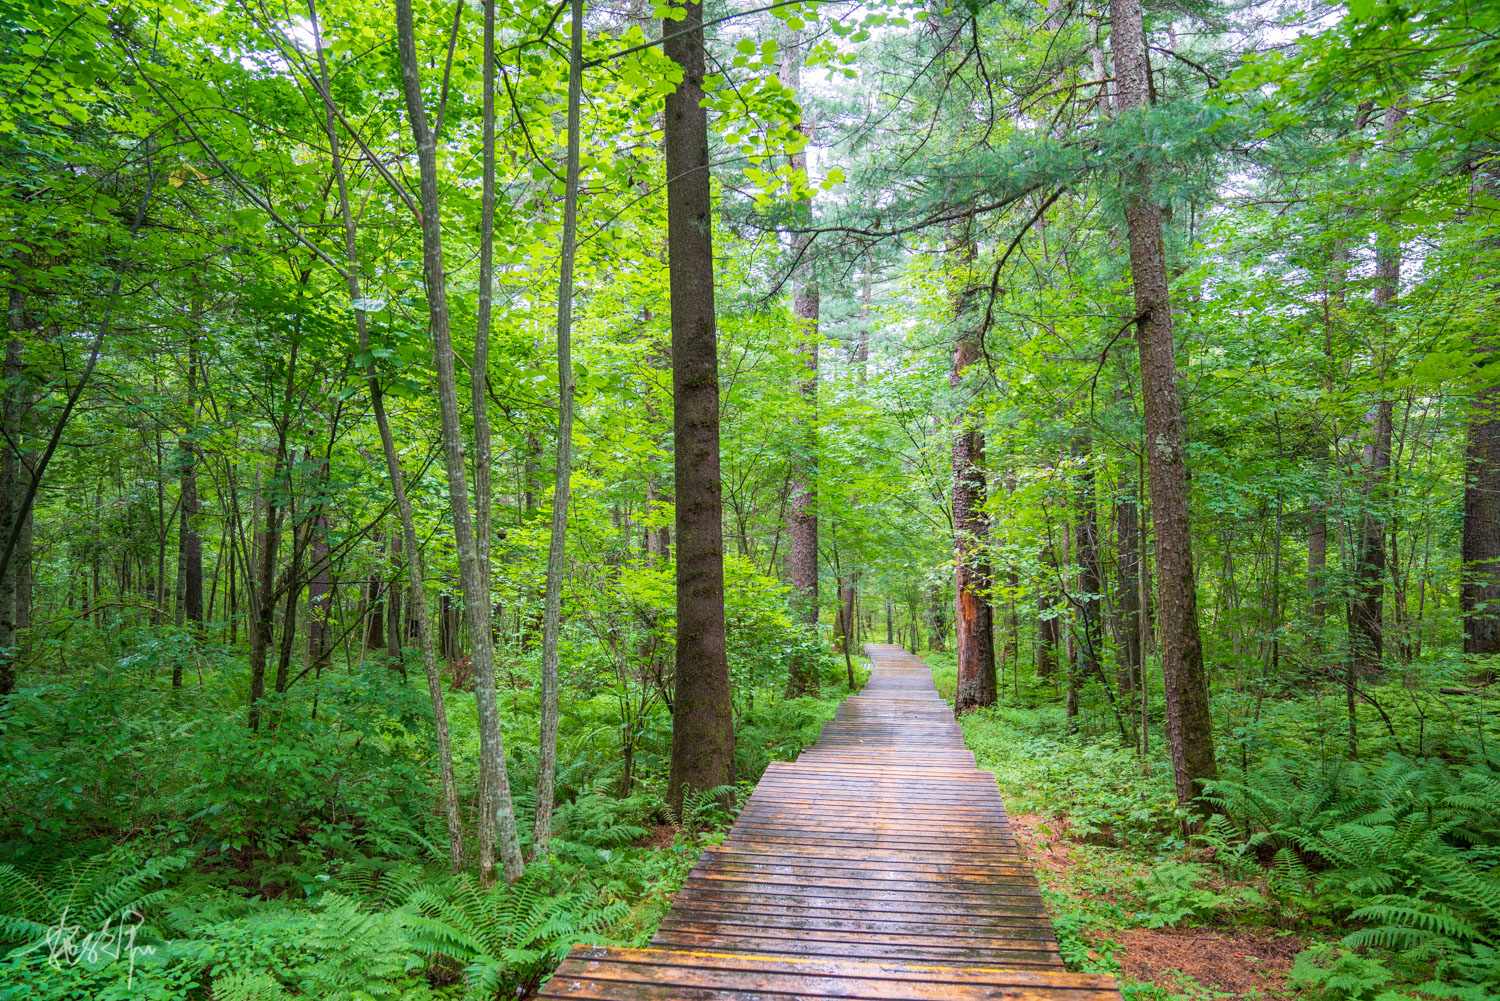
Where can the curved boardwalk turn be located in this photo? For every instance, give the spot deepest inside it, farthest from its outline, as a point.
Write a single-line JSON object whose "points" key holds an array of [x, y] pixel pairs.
{"points": [[878, 865]]}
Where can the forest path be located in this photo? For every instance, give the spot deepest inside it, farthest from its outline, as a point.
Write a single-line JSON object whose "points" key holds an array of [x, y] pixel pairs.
{"points": [[878, 865]]}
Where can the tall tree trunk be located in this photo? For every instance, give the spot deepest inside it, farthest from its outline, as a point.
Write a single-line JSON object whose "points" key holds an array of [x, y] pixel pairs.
{"points": [[447, 629], [159, 587], [1048, 624], [25, 570], [497, 820], [395, 617], [937, 620], [319, 597], [293, 589], [1048, 633], [234, 610], [375, 608], [973, 619], [1367, 615], [840, 623], [1480, 587], [11, 485], [1189, 725], [1090, 574], [1012, 620], [848, 592], [556, 554], [264, 605], [802, 554], [1066, 628], [189, 541], [264, 593], [1317, 561], [1127, 592], [702, 717], [414, 571], [1481, 532], [1335, 300]]}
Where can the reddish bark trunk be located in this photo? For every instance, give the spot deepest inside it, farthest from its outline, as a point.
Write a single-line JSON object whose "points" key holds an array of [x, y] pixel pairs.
{"points": [[973, 619]]}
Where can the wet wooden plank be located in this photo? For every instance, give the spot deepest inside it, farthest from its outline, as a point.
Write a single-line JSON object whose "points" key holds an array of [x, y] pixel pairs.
{"points": [[924, 936], [1040, 958], [662, 975], [897, 903]]}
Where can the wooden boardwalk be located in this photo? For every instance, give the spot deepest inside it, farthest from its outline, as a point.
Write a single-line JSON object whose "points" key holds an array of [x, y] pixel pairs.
{"points": [[880, 865]]}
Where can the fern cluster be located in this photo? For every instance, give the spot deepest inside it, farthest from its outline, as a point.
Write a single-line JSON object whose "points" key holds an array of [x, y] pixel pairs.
{"points": [[1408, 852], [507, 940], [388, 933]]}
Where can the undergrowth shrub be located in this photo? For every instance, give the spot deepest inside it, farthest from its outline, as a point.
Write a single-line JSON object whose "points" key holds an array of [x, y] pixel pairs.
{"points": [[1098, 787], [105, 756], [508, 938], [386, 932], [1175, 892]]}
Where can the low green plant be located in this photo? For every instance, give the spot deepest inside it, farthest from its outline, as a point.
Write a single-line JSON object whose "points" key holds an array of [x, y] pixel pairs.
{"points": [[1082, 927], [1330, 973], [507, 938], [1175, 892]]}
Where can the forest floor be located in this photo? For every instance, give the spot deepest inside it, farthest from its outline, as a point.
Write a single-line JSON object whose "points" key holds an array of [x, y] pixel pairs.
{"points": [[1119, 907], [1191, 962]]}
